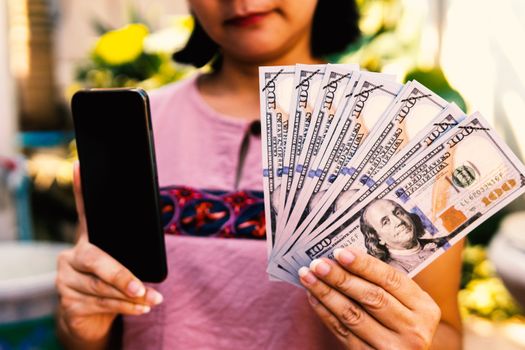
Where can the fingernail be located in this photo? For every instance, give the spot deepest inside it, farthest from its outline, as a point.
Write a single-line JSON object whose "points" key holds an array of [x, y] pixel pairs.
{"points": [[320, 267], [344, 256], [136, 289], [307, 276], [313, 300], [143, 308], [154, 297]]}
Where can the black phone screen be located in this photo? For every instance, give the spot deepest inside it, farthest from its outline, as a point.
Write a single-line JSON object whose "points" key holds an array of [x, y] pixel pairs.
{"points": [[119, 179]]}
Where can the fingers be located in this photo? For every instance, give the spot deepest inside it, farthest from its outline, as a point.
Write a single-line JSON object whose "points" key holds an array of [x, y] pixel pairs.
{"points": [[351, 315], [374, 299], [93, 286], [381, 274], [88, 303], [79, 199], [79, 304], [90, 259], [376, 302], [338, 328]]}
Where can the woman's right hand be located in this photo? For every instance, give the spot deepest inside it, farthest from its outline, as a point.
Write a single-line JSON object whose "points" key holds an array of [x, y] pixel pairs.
{"points": [[94, 288]]}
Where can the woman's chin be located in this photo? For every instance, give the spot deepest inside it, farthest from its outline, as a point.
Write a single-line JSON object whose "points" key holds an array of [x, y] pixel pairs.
{"points": [[256, 56], [256, 49]]}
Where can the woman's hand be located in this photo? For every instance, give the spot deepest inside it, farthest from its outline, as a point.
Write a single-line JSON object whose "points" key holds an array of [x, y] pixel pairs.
{"points": [[94, 288], [368, 304]]}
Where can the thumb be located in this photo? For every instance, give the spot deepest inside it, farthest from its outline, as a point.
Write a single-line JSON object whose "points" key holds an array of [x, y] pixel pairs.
{"points": [[79, 199]]}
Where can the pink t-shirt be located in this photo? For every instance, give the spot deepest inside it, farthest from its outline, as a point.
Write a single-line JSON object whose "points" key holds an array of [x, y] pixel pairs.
{"points": [[217, 294]]}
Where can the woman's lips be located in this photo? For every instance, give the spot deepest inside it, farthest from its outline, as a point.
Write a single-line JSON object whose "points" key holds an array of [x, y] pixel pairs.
{"points": [[248, 20]]}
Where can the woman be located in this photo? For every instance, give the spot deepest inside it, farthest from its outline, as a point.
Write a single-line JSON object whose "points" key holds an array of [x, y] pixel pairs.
{"points": [[217, 294]]}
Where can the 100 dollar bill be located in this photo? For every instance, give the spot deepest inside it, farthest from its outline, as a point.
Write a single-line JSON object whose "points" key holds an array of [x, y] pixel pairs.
{"points": [[434, 202], [275, 83], [307, 83]]}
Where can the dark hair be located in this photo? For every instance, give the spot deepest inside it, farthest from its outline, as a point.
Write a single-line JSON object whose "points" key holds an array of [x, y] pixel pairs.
{"points": [[334, 28], [377, 250]]}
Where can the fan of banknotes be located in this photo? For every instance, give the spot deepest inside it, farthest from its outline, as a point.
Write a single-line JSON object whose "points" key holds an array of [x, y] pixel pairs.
{"points": [[354, 158]]}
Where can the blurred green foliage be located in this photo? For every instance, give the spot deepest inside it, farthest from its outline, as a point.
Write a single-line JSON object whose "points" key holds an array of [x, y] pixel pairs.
{"points": [[435, 80], [482, 292]]}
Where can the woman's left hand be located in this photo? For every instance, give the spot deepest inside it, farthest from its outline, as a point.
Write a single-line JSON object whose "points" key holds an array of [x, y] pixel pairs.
{"points": [[368, 304]]}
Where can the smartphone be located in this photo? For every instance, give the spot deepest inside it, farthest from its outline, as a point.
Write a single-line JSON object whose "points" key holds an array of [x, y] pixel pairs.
{"points": [[119, 178]]}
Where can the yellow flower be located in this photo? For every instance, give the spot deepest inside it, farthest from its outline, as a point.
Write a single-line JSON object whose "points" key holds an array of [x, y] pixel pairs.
{"points": [[121, 46]]}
